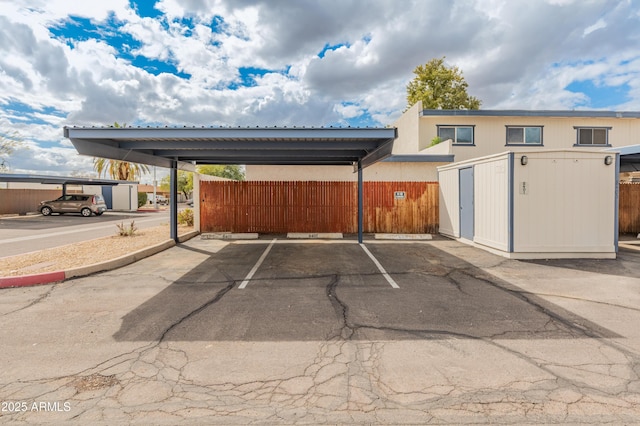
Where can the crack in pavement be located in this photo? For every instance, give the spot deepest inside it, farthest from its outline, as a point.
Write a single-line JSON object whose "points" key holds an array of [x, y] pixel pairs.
{"points": [[345, 331], [35, 301], [349, 381]]}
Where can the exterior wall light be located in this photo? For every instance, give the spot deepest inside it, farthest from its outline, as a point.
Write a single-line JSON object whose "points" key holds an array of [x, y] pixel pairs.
{"points": [[524, 160], [608, 160]]}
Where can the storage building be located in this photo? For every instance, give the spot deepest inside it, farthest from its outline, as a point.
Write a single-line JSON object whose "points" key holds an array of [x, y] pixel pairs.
{"points": [[532, 205]]}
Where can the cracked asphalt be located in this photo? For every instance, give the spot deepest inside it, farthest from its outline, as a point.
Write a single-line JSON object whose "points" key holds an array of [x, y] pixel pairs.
{"points": [[319, 336]]}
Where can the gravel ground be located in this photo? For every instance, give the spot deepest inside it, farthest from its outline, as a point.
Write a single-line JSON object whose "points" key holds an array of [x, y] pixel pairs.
{"points": [[84, 253]]}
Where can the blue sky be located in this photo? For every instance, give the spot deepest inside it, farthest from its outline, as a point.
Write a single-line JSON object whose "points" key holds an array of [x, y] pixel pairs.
{"points": [[282, 63]]}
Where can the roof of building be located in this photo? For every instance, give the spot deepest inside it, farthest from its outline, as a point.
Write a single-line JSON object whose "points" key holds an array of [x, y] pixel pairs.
{"points": [[530, 113]]}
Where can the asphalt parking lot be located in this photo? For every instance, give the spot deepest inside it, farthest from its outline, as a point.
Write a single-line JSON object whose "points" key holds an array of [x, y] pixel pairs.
{"points": [[327, 332]]}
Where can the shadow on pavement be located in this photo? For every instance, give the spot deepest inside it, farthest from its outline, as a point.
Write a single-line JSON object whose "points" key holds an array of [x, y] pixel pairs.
{"points": [[317, 292], [626, 265]]}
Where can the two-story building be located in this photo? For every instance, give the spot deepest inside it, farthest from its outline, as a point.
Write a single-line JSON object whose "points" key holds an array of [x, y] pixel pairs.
{"points": [[467, 134]]}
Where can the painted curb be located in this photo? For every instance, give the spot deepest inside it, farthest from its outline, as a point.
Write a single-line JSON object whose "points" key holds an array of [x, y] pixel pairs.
{"points": [[30, 280], [57, 276]]}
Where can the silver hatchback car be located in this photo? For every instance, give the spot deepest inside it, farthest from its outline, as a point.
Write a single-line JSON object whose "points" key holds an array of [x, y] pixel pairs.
{"points": [[85, 204]]}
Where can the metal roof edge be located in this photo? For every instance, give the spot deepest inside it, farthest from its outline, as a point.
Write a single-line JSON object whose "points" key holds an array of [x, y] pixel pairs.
{"points": [[54, 180], [420, 158], [529, 113]]}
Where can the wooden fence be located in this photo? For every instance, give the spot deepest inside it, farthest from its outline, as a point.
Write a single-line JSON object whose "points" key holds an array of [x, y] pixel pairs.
{"points": [[279, 207], [629, 208], [25, 200]]}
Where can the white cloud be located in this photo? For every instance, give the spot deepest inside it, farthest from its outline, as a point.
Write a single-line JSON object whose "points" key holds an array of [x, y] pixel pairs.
{"points": [[598, 25], [513, 54]]}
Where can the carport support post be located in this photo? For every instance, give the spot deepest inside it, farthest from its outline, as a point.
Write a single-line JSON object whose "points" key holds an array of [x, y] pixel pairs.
{"points": [[173, 201], [360, 203]]}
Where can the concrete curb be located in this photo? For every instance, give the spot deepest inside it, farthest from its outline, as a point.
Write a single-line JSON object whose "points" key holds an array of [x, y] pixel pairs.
{"points": [[630, 246], [230, 236], [315, 235], [58, 276], [403, 237]]}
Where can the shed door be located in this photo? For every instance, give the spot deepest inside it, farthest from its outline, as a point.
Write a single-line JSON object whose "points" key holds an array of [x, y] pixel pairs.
{"points": [[107, 194], [466, 203]]}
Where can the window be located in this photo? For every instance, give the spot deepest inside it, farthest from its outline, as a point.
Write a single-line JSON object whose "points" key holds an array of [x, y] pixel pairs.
{"points": [[461, 135], [522, 135], [593, 135]]}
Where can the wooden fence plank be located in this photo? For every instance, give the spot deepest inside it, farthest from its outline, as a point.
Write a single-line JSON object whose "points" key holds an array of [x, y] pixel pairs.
{"points": [[629, 208], [279, 207]]}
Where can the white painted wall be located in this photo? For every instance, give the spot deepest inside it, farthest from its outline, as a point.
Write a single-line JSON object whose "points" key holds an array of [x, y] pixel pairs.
{"points": [[382, 172], [92, 189], [125, 197], [491, 202], [564, 204], [449, 202], [558, 133], [408, 126], [568, 205]]}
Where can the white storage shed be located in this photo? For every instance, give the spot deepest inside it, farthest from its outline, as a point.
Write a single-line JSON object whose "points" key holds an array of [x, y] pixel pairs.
{"points": [[534, 205]]}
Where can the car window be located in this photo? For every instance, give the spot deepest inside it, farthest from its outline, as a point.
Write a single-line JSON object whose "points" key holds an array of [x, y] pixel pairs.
{"points": [[99, 198]]}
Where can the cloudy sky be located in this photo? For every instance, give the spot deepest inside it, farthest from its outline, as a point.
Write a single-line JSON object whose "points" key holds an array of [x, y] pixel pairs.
{"points": [[303, 62]]}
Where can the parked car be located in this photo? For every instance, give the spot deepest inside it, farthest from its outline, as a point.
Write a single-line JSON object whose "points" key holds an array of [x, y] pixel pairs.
{"points": [[160, 199], [85, 204]]}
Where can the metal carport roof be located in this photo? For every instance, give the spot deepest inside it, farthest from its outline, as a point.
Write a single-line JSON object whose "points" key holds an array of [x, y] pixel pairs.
{"points": [[225, 145], [629, 157], [184, 147], [60, 180]]}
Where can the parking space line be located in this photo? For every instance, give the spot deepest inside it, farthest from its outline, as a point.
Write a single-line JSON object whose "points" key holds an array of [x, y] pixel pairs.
{"points": [[382, 270], [257, 265]]}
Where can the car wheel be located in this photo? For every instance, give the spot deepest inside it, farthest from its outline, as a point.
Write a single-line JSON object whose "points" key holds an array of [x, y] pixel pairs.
{"points": [[86, 212], [46, 211], [99, 213]]}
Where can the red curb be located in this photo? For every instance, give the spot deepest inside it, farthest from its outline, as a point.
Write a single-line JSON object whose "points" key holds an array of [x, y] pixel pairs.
{"points": [[27, 280]]}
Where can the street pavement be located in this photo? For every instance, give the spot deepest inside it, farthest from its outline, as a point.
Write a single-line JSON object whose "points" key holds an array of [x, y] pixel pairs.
{"points": [[24, 234], [318, 334]]}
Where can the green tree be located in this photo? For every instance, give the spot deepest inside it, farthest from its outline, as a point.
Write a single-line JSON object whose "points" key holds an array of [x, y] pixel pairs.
{"points": [[8, 144], [440, 87], [185, 183], [119, 170], [142, 199], [233, 171]]}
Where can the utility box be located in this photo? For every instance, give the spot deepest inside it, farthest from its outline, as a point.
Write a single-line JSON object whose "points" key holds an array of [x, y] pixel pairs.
{"points": [[534, 205]]}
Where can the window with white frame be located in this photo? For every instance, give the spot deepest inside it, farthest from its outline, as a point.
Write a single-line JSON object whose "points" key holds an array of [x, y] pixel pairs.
{"points": [[524, 135], [593, 135], [460, 135]]}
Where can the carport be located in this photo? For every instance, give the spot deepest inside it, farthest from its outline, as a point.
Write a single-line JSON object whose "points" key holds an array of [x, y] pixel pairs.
{"points": [[59, 180], [629, 157], [184, 148]]}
